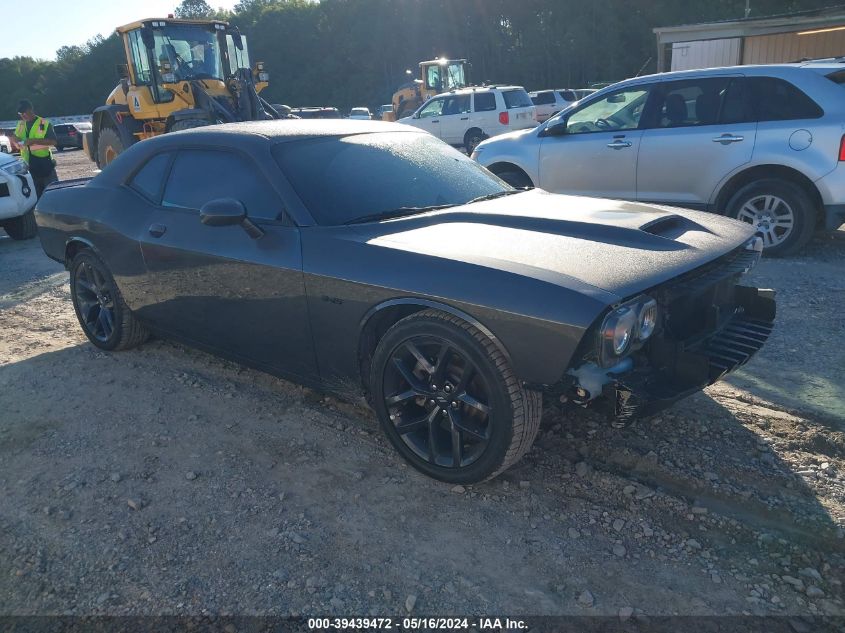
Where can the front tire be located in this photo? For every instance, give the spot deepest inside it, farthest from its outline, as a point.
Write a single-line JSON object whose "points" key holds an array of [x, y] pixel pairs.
{"points": [[106, 320], [109, 146], [782, 213], [448, 399], [22, 227]]}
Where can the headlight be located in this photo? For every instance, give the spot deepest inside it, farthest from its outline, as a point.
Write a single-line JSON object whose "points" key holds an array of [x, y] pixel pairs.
{"points": [[618, 329], [627, 327], [16, 168], [647, 320]]}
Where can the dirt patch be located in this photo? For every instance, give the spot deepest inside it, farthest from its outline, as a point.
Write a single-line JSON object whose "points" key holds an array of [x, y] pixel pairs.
{"points": [[166, 481]]}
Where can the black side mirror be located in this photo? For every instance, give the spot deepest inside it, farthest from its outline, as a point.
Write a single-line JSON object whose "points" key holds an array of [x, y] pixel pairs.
{"points": [[226, 212], [558, 129], [235, 32]]}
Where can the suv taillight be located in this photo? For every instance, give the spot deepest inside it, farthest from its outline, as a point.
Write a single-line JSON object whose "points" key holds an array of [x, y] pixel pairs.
{"points": [[505, 119], [842, 149]]}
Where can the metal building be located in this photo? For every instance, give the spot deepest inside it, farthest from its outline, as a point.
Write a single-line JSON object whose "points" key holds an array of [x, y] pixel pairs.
{"points": [[764, 40]]}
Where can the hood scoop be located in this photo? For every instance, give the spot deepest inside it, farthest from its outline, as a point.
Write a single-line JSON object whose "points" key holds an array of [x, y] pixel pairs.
{"points": [[672, 227]]}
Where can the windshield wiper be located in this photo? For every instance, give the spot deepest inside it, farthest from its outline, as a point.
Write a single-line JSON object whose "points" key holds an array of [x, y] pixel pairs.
{"points": [[401, 212], [498, 194]]}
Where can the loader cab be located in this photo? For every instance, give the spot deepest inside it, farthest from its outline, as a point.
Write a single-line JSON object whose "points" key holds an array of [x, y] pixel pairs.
{"points": [[164, 54], [443, 75]]}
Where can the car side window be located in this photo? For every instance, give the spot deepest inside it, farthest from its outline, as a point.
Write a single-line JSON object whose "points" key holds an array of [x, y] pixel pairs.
{"points": [[432, 108], [778, 100], [484, 101], [543, 98], [199, 176], [149, 180], [688, 103], [620, 110], [568, 95], [459, 104]]}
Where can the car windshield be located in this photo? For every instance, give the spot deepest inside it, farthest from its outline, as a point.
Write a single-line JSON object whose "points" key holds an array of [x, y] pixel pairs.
{"points": [[342, 179]]}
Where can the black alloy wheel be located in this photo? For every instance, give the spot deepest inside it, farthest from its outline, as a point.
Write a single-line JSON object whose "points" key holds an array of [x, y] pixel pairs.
{"points": [[438, 401], [94, 297], [106, 320], [448, 399]]}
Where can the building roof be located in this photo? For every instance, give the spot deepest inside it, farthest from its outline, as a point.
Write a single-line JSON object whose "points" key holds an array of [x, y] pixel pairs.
{"points": [[758, 25]]}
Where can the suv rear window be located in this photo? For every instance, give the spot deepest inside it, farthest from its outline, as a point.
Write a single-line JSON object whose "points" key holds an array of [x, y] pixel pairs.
{"points": [[516, 99], [542, 98], [778, 100]]}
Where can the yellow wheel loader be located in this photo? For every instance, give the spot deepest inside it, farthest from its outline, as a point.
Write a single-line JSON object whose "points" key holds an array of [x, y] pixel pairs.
{"points": [[179, 74], [436, 76]]}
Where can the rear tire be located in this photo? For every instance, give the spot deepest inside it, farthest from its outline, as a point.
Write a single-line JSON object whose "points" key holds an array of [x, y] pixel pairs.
{"points": [[781, 211], [472, 138], [22, 227], [104, 316], [449, 401], [109, 146], [188, 124]]}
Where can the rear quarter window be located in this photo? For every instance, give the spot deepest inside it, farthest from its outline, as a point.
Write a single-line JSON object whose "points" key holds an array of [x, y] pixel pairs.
{"points": [[516, 99], [149, 180], [775, 99], [543, 98]]}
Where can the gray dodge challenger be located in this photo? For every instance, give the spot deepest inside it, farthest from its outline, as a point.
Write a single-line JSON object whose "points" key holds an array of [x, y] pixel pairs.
{"points": [[370, 258]]}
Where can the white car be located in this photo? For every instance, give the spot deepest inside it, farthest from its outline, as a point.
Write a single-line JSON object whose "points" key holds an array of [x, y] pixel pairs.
{"points": [[360, 113], [469, 115], [5, 144], [17, 198]]}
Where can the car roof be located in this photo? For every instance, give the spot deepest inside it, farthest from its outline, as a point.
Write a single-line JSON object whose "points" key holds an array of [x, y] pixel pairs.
{"points": [[471, 89], [251, 132], [748, 69]]}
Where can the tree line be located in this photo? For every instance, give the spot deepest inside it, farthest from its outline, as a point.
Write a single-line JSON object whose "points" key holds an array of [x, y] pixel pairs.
{"points": [[347, 53]]}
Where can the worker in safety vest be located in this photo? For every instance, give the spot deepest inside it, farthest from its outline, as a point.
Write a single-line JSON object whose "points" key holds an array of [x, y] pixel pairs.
{"points": [[37, 138]]}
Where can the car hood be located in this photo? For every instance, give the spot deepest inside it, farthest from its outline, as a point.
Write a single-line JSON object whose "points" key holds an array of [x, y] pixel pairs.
{"points": [[5, 158], [597, 246], [508, 137]]}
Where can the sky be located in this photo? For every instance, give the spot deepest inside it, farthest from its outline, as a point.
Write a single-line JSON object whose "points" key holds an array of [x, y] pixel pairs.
{"points": [[68, 22]]}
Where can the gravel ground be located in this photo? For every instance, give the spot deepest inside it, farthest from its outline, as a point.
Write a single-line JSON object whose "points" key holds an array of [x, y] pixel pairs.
{"points": [[166, 481]]}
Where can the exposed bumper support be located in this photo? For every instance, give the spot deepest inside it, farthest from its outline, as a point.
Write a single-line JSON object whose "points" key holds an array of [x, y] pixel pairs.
{"points": [[676, 369]]}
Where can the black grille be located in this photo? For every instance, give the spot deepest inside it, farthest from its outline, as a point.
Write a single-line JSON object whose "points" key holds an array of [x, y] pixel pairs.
{"points": [[4, 190], [734, 345]]}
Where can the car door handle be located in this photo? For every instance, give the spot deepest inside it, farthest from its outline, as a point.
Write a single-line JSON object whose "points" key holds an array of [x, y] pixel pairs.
{"points": [[727, 139], [157, 230], [619, 144], [435, 120], [464, 118]]}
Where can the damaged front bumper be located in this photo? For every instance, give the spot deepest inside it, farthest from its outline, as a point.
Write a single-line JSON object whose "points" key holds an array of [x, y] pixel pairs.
{"points": [[673, 369], [711, 327]]}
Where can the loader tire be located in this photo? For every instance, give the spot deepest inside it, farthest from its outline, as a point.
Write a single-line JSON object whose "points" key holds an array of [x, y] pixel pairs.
{"points": [[109, 146]]}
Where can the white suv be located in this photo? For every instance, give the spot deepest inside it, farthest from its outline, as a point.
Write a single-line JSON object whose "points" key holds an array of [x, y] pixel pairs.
{"points": [[17, 198], [470, 115], [763, 144], [550, 102]]}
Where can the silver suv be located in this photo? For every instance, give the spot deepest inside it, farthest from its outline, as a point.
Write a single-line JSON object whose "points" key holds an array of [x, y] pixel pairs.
{"points": [[763, 144]]}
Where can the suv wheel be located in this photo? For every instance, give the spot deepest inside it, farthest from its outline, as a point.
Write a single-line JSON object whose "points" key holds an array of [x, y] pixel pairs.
{"points": [[449, 401], [472, 139], [22, 227], [782, 213]]}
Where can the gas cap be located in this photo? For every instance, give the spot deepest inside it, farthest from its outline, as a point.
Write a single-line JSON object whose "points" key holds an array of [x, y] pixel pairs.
{"points": [[800, 140]]}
